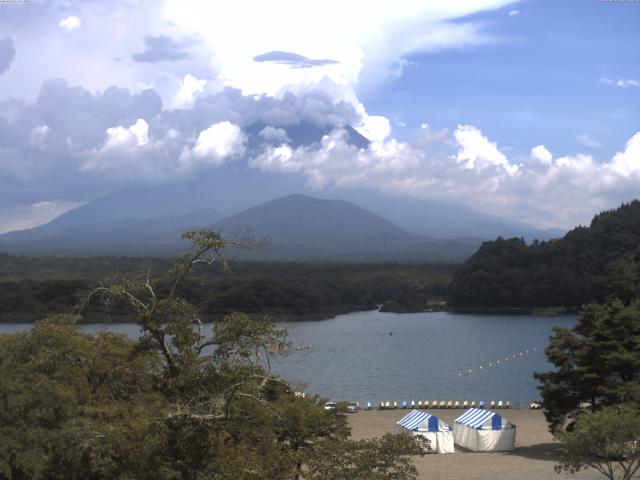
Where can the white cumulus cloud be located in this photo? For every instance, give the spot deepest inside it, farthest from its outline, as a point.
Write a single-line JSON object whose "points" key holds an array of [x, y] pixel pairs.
{"points": [[218, 142], [477, 152], [541, 154], [70, 23]]}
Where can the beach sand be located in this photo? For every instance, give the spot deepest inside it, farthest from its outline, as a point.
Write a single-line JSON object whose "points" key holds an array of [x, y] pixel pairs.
{"points": [[534, 458]]}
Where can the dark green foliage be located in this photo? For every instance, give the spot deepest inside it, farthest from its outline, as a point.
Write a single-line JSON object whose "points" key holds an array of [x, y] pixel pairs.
{"points": [[186, 401], [74, 406], [567, 272], [598, 361], [286, 290], [606, 441], [382, 458]]}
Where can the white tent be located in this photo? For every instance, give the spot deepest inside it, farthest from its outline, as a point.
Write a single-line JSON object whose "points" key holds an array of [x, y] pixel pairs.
{"points": [[484, 431], [431, 427]]}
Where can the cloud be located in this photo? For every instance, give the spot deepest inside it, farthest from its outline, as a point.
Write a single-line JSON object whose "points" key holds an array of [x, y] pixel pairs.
{"points": [[74, 145], [70, 23], [217, 143], [622, 82], [275, 135], [475, 151], [190, 87], [21, 217], [627, 162], [7, 52], [293, 59], [95, 142], [541, 154], [513, 13], [586, 140], [161, 48], [629, 82], [348, 49], [543, 191]]}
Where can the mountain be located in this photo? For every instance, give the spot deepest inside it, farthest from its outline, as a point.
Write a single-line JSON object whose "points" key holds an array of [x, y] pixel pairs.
{"points": [[148, 219], [567, 272], [299, 227], [441, 218], [113, 236], [295, 227]]}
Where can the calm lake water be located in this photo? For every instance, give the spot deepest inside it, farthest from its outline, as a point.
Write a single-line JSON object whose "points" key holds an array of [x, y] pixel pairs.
{"points": [[428, 357]]}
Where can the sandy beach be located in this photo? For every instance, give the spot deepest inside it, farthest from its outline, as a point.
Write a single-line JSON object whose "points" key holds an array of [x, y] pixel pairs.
{"points": [[534, 458]]}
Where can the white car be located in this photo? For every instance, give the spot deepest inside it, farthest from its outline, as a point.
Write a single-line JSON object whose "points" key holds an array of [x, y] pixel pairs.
{"points": [[330, 406], [353, 407]]}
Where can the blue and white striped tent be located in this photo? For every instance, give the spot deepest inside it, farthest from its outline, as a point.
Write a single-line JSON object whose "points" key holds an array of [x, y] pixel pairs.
{"points": [[484, 431], [438, 433], [481, 419]]}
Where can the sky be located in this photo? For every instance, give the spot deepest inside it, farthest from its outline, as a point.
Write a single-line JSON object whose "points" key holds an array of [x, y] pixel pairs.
{"points": [[525, 109]]}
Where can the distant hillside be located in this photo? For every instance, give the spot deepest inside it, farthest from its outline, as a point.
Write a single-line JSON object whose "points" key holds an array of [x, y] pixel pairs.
{"points": [[566, 272], [111, 236], [295, 227], [299, 227]]}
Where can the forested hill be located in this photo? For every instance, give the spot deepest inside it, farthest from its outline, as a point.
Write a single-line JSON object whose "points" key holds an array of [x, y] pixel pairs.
{"points": [[565, 272]]}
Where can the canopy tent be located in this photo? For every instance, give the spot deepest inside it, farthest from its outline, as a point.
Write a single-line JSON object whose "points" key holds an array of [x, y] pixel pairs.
{"points": [[431, 427], [484, 431]]}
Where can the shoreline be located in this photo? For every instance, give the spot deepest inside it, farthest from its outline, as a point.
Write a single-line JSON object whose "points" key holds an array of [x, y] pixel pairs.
{"points": [[536, 453], [99, 318]]}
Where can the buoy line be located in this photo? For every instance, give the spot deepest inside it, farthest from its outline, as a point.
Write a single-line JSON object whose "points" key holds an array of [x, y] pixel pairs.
{"points": [[501, 361]]}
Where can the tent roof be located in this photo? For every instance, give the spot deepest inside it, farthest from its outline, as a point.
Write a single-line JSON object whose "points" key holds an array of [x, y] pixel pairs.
{"points": [[477, 418], [413, 420]]}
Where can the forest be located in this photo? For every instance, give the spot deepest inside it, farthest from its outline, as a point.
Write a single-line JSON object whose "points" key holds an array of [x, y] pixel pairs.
{"points": [[566, 272], [31, 287]]}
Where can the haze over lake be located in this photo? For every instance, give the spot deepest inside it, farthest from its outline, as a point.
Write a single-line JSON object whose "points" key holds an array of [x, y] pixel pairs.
{"points": [[353, 357]]}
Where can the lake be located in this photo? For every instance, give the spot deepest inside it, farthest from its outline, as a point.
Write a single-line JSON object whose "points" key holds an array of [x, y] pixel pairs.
{"points": [[427, 357]]}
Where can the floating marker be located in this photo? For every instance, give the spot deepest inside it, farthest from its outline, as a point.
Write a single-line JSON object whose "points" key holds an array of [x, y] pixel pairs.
{"points": [[497, 362]]}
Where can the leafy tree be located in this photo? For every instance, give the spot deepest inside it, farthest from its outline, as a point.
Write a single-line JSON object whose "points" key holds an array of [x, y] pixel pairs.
{"points": [[598, 361], [382, 458], [76, 406], [607, 441], [186, 401]]}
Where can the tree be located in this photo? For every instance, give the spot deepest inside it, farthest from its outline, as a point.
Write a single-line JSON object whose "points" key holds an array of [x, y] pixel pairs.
{"points": [[76, 406], [597, 362], [186, 401], [388, 457], [607, 441]]}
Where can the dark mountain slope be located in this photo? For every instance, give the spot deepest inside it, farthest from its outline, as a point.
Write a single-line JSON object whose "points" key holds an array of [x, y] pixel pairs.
{"points": [[299, 227], [566, 272]]}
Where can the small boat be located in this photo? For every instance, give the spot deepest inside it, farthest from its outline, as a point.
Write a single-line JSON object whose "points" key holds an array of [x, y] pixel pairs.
{"points": [[413, 404], [465, 404]]}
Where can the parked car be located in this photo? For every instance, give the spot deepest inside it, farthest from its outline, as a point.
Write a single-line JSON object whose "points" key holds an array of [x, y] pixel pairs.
{"points": [[330, 406], [353, 407]]}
